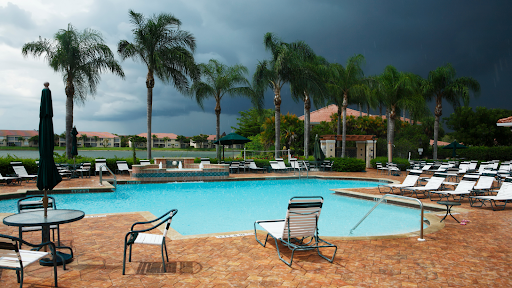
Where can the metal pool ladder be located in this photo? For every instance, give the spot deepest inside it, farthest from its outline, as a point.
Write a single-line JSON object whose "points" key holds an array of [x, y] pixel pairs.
{"points": [[114, 175], [396, 196]]}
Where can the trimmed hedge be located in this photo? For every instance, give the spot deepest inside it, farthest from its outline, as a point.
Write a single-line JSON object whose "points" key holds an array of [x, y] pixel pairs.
{"points": [[348, 165]]}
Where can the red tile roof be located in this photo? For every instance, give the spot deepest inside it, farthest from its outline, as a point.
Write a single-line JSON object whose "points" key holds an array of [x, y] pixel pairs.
{"points": [[505, 120], [439, 143], [324, 114], [23, 133]]}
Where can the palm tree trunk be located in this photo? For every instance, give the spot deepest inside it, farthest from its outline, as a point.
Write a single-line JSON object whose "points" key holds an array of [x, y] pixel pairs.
{"points": [[438, 111], [217, 113], [307, 109], [338, 129], [150, 83], [277, 103], [344, 135], [391, 125], [70, 92]]}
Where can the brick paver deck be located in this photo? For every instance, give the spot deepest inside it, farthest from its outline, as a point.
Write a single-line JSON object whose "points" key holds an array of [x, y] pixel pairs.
{"points": [[476, 254]]}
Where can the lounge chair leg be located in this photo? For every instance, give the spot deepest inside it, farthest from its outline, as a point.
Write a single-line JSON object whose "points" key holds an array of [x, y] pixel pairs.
{"points": [[166, 254], [130, 255], [124, 257], [163, 258]]}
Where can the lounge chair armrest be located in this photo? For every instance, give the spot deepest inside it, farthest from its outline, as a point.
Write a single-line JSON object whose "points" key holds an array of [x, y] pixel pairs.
{"points": [[147, 222], [268, 221], [52, 246]]}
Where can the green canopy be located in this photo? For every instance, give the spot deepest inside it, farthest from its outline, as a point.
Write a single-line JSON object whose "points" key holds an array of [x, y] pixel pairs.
{"points": [[47, 176], [230, 139], [317, 150], [74, 148], [454, 145]]}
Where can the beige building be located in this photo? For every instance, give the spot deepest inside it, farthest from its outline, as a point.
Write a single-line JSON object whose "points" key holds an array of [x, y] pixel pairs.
{"points": [[161, 140], [94, 139], [20, 138]]}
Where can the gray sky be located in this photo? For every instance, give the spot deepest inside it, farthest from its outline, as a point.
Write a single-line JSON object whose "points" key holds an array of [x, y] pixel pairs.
{"points": [[414, 36]]}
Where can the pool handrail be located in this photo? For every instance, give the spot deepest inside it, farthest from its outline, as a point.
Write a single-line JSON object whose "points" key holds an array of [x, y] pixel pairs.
{"points": [[396, 196], [108, 169]]}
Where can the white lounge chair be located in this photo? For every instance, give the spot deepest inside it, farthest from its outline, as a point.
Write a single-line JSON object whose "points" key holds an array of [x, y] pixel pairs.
{"points": [[98, 164], [299, 230], [433, 184], [8, 179], [463, 188], [253, 166], [281, 164], [409, 181], [122, 166], [485, 182], [138, 237], [20, 170], [276, 167], [205, 161], [144, 162], [504, 195]]}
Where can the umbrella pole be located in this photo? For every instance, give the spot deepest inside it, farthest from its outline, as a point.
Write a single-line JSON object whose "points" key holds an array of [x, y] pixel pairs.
{"points": [[45, 203]]}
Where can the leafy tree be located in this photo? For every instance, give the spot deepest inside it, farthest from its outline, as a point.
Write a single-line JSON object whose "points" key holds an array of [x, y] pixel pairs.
{"points": [[182, 139], [200, 139], [292, 132], [84, 138], [34, 139], [345, 85], [442, 85], [81, 57], [164, 52], [283, 66], [255, 143], [478, 128], [166, 140], [398, 89], [250, 121], [219, 80]]}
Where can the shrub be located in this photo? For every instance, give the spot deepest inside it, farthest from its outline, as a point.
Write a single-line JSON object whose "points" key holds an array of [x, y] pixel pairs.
{"points": [[348, 165]]}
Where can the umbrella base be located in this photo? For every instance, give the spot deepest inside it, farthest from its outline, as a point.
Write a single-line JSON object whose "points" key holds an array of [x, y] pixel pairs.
{"points": [[67, 258]]}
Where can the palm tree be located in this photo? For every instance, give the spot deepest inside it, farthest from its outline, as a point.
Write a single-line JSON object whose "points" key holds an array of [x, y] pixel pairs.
{"points": [[84, 138], [345, 85], [309, 82], [166, 52], [166, 140], [398, 89], [276, 72], [442, 84], [155, 139], [182, 139], [81, 57], [220, 80]]}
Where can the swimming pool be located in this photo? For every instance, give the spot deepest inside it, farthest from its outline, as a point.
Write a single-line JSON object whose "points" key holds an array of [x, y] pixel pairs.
{"points": [[215, 207]]}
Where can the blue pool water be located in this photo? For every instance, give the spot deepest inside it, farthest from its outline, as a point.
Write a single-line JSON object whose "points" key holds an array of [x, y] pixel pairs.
{"points": [[213, 207]]}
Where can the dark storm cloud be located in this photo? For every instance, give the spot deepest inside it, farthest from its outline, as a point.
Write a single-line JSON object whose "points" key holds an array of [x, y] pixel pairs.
{"points": [[414, 36]]}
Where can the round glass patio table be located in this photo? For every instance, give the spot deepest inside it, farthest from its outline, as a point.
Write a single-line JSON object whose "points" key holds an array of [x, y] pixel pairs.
{"points": [[54, 217]]}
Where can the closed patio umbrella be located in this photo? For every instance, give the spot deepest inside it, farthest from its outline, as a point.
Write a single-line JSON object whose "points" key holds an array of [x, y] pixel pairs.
{"points": [[47, 177], [318, 154], [74, 145]]}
